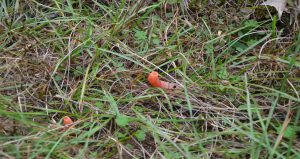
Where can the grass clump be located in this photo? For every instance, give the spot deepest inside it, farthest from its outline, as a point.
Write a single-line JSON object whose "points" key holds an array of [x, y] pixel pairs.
{"points": [[89, 60]]}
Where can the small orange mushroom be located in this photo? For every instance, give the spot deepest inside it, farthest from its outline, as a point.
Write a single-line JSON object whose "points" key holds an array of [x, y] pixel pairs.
{"points": [[155, 82], [67, 122]]}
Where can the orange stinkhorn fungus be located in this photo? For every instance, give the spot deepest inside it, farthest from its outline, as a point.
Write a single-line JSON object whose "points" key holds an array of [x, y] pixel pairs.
{"points": [[155, 82], [153, 79], [67, 121]]}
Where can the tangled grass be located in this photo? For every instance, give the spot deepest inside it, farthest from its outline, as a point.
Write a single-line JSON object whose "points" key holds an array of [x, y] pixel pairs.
{"points": [[238, 67]]}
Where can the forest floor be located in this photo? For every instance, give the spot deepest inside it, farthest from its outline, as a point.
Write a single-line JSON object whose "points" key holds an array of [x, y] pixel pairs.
{"points": [[236, 63]]}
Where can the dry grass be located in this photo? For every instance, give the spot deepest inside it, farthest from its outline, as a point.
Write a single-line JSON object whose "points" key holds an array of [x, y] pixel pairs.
{"points": [[89, 60]]}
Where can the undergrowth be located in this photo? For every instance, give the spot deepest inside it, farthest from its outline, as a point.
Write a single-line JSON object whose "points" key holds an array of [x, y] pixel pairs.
{"points": [[238, 66]]}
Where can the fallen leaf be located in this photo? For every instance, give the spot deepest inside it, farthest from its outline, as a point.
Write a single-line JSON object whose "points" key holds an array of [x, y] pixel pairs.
{"points": [[280, 5]]}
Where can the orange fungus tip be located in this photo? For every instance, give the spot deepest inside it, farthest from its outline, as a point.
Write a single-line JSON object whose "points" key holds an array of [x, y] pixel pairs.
{"points": [[67, 120], [155, 82], [153, 79]]}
